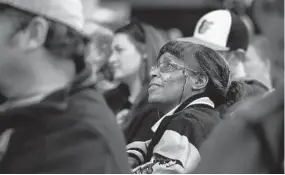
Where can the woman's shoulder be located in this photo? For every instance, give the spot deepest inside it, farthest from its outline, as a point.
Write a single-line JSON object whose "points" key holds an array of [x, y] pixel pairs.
{"points": [[195, 122], [197, 114]]}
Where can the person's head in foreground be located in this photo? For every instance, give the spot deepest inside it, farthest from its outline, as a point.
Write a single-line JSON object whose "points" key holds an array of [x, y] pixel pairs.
{"points": [[186, 69], [41, 46], [226, 33]]}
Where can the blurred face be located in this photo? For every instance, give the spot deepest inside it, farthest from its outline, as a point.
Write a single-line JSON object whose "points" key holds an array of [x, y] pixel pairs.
{"points": [[167, 81], [235, 60], [19, 52], [256, 67], [125, 59], [98, 55], [10, 62]]}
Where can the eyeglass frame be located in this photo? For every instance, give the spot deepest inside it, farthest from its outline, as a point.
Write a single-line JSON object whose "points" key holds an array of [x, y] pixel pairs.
{"points": [[172, 64]]}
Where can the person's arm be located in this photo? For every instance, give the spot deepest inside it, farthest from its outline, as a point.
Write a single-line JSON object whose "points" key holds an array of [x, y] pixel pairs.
{"points": [[137, 151]]}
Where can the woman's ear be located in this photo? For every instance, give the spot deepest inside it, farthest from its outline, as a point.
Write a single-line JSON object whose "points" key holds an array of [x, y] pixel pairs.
{"points": [[199, 82]]}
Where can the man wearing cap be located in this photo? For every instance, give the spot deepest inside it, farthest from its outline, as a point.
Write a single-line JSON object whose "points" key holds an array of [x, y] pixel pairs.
{"points": [[59, 123], [225, 32]]}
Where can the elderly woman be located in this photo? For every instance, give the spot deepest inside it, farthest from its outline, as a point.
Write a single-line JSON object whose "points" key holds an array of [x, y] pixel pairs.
{"points": [[187, 83]]}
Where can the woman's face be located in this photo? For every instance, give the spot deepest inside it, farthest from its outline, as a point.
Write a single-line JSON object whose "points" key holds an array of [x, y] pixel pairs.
{"points": [[125, 58], [168, 82], [96, 57]]}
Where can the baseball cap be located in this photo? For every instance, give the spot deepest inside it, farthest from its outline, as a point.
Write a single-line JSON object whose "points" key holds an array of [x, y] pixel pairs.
{"points": [[68, 12], [220, 30]]}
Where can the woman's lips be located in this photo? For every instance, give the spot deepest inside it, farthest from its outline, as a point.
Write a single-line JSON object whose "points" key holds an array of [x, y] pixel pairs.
{"points": [[153, 87]]}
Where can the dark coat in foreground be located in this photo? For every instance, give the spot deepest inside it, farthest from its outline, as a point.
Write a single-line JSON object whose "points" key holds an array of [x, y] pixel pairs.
{"points": [[70, 131], [252, 142]]}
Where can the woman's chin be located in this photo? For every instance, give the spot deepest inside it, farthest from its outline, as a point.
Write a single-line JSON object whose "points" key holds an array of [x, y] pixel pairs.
{"points": [[154, 99]]}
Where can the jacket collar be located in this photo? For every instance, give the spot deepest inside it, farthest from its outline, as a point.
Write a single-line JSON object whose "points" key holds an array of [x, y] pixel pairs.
{"points": [[199, 99]]}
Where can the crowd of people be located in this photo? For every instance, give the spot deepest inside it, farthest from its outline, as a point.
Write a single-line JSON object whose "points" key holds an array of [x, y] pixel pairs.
{"points": [[79, 97]]}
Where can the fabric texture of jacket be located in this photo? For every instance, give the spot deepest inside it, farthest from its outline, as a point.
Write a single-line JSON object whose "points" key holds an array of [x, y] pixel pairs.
{"points": [[188, 126], [69, 131]]}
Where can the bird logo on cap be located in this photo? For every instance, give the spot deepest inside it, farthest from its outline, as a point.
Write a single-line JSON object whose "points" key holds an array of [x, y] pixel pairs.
{"points": [[205, 25]]}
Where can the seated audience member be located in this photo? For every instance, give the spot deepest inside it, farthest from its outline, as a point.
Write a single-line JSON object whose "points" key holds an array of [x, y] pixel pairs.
{"points": [[99, 52], [59, 125], [253, 141], [131, 59], [257, 62], [226, 33], [187, 83]]}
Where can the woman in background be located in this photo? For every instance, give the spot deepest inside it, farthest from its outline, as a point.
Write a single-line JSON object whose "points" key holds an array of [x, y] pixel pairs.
{"points": [[133, 53]]}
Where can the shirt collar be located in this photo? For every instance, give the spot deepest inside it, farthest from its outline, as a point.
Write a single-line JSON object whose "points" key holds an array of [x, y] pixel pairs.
{"points": [[202, 100]]}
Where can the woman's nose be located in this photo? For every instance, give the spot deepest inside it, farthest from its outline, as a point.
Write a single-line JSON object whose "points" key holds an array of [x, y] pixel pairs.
{"points": [[154, 72]]}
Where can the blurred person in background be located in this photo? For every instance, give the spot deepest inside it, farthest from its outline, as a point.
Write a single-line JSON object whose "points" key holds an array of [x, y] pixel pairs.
{"points": [[133, 55], [257, 63], [227, 34], [224, 31], [58, 124], [175, 33], [253, 142], [98, 54], [187, 83]]}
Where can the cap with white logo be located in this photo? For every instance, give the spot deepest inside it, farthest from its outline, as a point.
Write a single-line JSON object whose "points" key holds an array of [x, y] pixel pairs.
{"points": [[68, 12], [220, 30]]}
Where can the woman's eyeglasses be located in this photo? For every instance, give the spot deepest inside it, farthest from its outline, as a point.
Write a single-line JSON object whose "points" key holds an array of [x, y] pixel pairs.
{"points": [[166, 67]]}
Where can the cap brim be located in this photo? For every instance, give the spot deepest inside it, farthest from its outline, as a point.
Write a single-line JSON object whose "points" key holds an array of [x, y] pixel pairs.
{"points": [[204, 43]]}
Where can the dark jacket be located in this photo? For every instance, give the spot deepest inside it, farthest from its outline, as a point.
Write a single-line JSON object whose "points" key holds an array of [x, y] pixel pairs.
{"points": [[70, 131], [141, 117], [117, 99], [140, 127], [243, 90], [250, 143], [174, 146]]}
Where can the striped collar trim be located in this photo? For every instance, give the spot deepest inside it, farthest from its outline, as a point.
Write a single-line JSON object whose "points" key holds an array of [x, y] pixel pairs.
{"points": [[203, 101]]}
